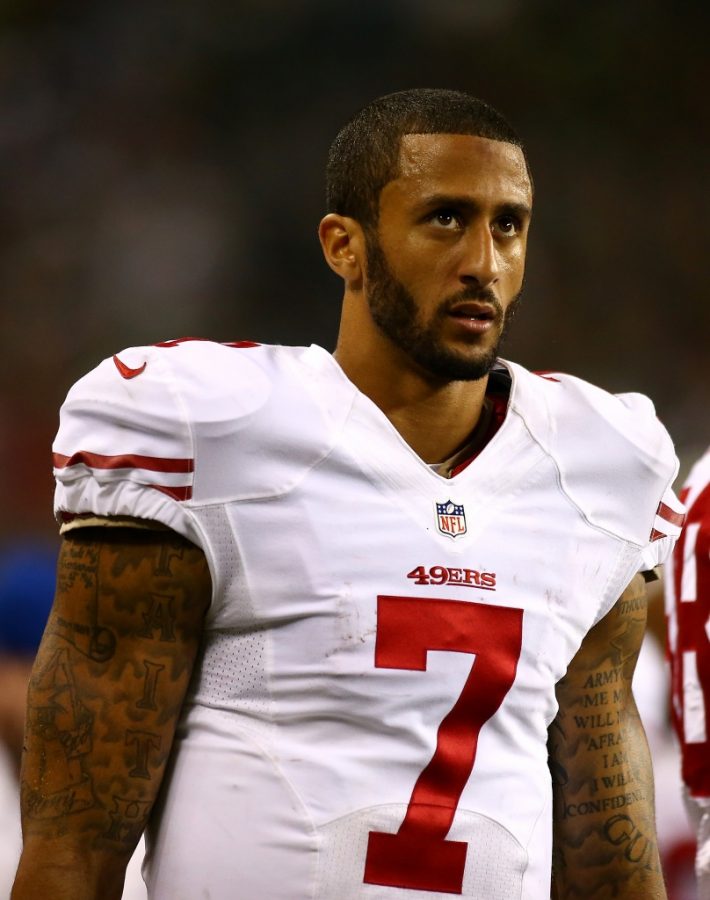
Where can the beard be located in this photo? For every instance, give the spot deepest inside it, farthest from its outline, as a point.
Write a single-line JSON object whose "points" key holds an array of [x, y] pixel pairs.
{"points": [[394, 311]]}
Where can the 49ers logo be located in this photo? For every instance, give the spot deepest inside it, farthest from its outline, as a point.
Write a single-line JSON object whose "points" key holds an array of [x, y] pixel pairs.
{"points": [[484, 581]]}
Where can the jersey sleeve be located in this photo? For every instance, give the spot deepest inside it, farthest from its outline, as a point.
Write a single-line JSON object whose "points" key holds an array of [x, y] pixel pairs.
{"points": [[124, 445], [665, 531], [651, 438], [616, 461]]}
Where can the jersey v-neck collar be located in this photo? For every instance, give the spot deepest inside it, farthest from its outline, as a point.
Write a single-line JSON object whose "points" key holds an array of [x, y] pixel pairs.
{"points": [[499, 393], [370, 443]]}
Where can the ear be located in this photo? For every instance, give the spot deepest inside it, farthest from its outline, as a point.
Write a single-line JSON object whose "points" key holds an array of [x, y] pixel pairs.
{"points": [[343, 243]]}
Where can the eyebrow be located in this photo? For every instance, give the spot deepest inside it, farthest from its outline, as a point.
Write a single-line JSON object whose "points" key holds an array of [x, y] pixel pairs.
{"points": [[464, 202]]}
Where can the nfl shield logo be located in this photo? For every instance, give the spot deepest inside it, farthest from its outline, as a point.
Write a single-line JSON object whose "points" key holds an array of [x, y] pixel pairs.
{"points": [[451, 519]]}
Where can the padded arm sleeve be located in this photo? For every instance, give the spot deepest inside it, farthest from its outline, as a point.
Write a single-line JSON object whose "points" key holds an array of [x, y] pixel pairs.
{"points": [[124, 446]]}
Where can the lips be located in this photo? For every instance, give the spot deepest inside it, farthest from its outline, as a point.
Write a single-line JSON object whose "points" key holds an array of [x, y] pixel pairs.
{"points": [[481, 312]]}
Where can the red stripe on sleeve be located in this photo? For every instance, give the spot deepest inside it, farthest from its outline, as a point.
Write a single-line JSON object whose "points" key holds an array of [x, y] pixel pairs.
{"points": [[123, 461], [670, 515], [177, 493]]}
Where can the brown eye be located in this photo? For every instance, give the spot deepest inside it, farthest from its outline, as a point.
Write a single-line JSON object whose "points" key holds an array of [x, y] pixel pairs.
{"points": [[508, 225], [446, 218]]}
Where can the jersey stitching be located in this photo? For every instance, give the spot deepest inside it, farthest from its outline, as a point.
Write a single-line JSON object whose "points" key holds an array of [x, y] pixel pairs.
{"points": [[254, 738], [567, 494], [256, 497], [186, 506], [177, 396]]}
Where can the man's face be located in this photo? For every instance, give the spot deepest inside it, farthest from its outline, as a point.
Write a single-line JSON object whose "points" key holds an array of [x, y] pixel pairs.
{"points": [[445, 265]]}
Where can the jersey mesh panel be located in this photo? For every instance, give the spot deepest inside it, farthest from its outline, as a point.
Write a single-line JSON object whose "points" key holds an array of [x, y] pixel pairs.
{"points": [[232, 673]]}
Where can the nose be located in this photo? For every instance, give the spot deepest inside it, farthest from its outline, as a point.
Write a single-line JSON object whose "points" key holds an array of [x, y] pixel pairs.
{"points": [[479, 260]]}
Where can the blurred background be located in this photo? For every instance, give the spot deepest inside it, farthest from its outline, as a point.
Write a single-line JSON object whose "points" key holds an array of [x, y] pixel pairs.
{"points": [[161, 176]]}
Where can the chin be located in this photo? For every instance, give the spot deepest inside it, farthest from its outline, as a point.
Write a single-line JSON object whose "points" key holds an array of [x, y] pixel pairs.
{"points": [[452, 366]]}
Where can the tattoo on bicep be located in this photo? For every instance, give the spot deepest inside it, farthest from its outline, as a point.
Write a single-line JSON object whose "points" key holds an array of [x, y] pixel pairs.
{"points": [[160, 618], [92, 641], [126, 820], [150, 684], [78, 562], [103, 707], [166, 553]]}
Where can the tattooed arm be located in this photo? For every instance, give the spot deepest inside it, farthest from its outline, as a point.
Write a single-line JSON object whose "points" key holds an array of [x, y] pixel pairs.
{"points": [[604, 825], [104, 699]]}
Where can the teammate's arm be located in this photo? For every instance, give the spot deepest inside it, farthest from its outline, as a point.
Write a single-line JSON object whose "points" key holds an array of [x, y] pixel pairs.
{"points": [[104, 699], [604, 823]]}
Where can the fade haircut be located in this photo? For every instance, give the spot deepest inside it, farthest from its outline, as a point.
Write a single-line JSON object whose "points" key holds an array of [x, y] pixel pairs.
{"points": [[364, 156]]}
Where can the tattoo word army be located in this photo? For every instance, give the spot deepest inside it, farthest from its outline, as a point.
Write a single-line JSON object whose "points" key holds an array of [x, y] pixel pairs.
{"points": [[601, 688], [601, 698]]}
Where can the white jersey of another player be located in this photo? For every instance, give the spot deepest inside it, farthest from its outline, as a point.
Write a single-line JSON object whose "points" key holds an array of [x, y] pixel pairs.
{"points": [[369, 715], [688, 610]]}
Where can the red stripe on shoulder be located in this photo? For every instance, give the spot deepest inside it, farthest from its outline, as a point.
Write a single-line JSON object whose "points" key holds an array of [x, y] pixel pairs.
{"points": [[177, 341], [670, 515], [126, 371], [185, 340], [123, 461]]}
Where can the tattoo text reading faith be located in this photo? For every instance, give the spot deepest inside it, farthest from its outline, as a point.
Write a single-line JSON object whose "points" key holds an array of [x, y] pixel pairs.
{"points": [[109, 682]]}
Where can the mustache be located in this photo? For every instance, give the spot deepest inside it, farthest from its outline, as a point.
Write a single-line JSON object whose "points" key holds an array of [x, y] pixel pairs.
{"points": [[472, 292]]}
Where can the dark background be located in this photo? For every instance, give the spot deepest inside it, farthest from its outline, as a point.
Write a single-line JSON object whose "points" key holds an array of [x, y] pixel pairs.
{"points": [[161, 176]]}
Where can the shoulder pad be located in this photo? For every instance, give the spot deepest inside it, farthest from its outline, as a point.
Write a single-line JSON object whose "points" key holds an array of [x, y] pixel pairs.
{"points": [[193, 422], [615, 459]]}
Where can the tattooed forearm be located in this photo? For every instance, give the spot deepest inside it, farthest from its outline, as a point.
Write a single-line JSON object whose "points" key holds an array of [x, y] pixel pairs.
{"points": [[604, 829], [108, 685], [60, 728]]}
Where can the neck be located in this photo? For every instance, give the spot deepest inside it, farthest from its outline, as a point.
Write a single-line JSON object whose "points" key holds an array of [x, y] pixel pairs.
{"points": [[433, 416]]}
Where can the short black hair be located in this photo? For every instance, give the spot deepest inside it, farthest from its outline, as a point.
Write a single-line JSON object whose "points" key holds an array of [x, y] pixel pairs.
{"points": [[364, 156]]}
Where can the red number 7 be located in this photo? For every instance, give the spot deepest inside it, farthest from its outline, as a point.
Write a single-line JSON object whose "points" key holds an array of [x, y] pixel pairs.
{"points": [[419, 856]]}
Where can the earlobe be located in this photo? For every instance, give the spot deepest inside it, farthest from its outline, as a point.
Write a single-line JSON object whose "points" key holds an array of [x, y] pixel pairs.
{"points": [[343, 247]]}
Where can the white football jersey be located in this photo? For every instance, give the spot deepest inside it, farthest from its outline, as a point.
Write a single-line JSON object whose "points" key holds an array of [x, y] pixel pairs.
{"points": [[369, 714], [687, 593]]}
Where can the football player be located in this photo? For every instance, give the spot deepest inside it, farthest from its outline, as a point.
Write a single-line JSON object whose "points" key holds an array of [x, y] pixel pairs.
{"points": [[362, 624], [687, 596]]}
